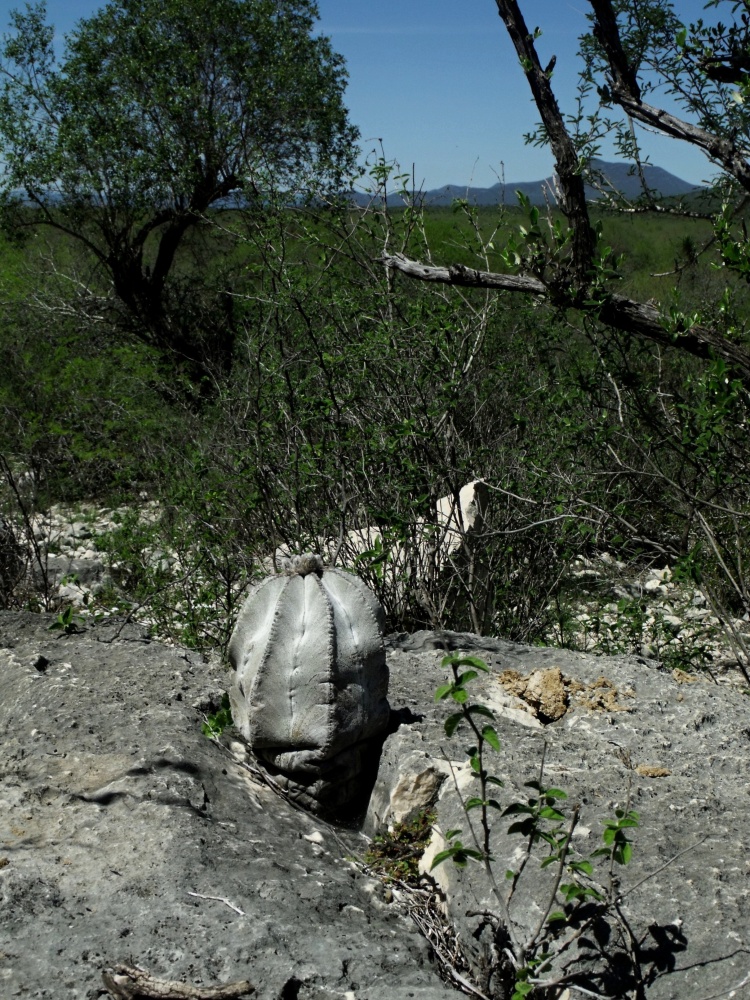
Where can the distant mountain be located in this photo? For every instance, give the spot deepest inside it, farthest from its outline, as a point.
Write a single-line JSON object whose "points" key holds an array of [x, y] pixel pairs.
{"points": [[619, 176]]}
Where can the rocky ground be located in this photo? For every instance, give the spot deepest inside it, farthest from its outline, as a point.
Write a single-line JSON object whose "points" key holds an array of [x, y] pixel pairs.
{"points": [[127, 836], [614, 733]]}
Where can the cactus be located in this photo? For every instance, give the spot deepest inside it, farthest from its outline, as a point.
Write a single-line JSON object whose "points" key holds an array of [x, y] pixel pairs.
{"points": [[310, 683]]}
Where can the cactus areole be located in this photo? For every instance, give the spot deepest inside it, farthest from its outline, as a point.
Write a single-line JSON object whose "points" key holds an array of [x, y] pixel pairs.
{"points": [[311, 681]]}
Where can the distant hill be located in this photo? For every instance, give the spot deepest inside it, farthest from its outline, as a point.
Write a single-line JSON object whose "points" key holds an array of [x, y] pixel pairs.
{"points": [[619, 175]]}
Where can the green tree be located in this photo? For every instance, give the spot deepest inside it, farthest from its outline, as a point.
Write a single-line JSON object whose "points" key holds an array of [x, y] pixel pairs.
{"points": [[157, 111]]}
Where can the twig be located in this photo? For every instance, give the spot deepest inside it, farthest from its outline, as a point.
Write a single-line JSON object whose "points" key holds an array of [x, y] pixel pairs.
{"points": [[431, 923], [532, 838], [685, 850], [219, 899], [130, 983], [40, 558], [730, 992], [588, 993], [446, 963], [486, 860], [558, 877]]}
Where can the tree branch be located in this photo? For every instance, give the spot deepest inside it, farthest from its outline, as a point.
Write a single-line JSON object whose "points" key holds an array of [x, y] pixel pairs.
{"points": [[638, 318], [625, 92], [573, 200], [131, 983]]}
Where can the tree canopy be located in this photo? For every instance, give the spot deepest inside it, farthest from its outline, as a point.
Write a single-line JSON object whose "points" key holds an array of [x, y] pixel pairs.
{"points": [[156, 111]]}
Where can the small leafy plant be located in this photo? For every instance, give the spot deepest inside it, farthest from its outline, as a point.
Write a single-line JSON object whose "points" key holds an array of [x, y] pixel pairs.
{"points": [[572, 906], [215, 724], [397, 852], [67, 622]]}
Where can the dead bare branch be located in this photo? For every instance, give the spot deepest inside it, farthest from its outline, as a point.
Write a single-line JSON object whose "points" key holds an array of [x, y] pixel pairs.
{"points": [[128, 982]]}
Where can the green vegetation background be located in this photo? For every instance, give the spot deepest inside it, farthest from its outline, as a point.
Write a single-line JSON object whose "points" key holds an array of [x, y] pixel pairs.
{"points": [[357, 398]]}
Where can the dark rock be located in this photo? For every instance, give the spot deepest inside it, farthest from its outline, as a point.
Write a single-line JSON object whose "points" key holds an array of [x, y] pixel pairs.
{"points": [[118, 818]]}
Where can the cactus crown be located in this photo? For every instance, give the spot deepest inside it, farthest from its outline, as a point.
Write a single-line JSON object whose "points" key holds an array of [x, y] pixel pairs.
{"points": [[308, 562]]}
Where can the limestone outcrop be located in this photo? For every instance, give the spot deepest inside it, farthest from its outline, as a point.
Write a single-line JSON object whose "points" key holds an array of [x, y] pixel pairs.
{"points": [[128, 839], [615, 732]]}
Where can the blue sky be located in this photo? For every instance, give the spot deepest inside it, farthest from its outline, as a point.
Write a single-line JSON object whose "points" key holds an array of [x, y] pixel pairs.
{"points": [[437, 82]]}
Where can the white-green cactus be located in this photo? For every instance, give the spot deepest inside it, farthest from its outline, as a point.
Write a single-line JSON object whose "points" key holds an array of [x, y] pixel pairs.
{"points": [[310, 684]]}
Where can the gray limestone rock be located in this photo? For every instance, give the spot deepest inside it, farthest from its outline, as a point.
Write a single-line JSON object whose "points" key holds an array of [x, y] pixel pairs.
{"points": [[90, 573], [128, 837], [677, 747]]}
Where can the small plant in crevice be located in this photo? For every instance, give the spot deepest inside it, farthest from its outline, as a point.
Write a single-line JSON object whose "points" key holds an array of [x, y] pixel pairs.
{"points": [[215, 724], [67, 622], [528, 959], [397, 852]]}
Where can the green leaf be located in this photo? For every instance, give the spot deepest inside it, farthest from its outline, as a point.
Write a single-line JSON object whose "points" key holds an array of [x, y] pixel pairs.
{"points": [[443, 691], [526, 827], [458, 660], [452, 722], [481, 710], [549, 813], [624, 854], [516, 807], [452, 833], [555, 793], [631, 820], [556, 916], [475, 661], [582, 866], [459, 694], [474, 803], [491, 737], [475, 764], [441, 857]]}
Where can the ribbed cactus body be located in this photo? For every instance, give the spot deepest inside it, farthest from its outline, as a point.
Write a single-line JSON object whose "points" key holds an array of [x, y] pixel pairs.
{"points": [[311, 680]]}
